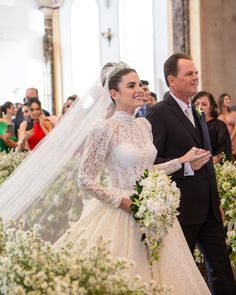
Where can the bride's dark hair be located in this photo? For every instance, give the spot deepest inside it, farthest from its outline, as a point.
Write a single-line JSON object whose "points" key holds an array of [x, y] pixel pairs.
{"points": [[112, 74]]}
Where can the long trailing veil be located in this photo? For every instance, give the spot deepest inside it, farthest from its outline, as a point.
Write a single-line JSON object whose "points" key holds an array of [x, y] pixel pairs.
{"points": [[43, 189]]}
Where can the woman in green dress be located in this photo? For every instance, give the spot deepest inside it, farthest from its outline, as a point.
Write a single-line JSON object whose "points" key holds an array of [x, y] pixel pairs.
{"points": [[8, 140]]}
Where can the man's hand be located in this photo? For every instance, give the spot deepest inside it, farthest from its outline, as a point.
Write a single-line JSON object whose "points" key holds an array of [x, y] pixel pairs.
{"points": [[194, 154], [197, 164]]}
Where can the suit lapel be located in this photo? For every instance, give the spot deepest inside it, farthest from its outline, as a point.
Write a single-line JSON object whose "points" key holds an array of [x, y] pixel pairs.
{"points": [[177, 111], [204, 130]]}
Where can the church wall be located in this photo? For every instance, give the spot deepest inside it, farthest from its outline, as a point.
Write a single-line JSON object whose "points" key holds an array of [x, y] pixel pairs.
{"points": [[218, 43]]}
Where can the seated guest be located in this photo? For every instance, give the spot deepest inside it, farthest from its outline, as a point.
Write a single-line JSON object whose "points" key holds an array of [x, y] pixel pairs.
{"points": [[36, 127], [219, 135], [8, 139]]}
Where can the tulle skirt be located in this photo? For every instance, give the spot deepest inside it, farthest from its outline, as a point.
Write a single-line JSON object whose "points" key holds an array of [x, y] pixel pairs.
{"points": [[175, 268]]}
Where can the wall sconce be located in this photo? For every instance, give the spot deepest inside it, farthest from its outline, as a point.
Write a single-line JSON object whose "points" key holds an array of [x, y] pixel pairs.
{"points": [[107, 35]]}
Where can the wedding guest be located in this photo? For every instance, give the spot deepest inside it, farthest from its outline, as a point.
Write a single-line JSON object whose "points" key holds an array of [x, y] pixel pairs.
{"points": [[229, 117], [152, 99], [176, 127], [36, 127], [69, 102], [26, 115], [8, 139], [218, 132], [18, 105], [146, 92], [30, 92]]}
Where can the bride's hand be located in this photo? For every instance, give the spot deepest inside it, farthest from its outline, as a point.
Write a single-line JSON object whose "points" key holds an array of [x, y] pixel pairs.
{"points": [[195, 155], [125, 204]]}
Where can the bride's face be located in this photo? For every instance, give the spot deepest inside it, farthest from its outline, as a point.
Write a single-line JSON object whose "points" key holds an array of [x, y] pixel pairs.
{"points": [[130, 94]]}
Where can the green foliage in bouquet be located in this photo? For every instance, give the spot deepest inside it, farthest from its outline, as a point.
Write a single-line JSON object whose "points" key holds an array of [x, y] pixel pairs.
{"points": [[9, 162], [154, 206], [28, 265]]}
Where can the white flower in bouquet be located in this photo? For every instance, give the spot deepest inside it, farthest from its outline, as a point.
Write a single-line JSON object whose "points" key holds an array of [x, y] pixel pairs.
{"points": [[9, 162], [226, 181], [154, 207]]}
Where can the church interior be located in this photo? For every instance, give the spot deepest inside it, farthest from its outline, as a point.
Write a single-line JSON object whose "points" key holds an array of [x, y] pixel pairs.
{"points": [[59, 46]]}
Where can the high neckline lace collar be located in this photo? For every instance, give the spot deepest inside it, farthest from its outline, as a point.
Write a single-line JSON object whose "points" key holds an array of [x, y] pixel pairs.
{"points": [[124, 116]]}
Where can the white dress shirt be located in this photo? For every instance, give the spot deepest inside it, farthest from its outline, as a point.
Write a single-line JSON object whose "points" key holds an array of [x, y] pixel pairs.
{"points": [[188, 171]]}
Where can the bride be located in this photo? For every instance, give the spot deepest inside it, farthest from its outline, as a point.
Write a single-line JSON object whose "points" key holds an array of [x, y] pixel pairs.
{"points": [[124, 145]]}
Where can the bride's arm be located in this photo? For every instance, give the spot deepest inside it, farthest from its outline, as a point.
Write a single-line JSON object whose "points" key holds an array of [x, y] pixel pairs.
{"points": [[95, 153], [195, 157], [169, 167]]}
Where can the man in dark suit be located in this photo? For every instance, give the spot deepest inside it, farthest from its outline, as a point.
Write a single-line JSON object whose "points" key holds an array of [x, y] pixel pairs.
{"points": [[176, 128]]}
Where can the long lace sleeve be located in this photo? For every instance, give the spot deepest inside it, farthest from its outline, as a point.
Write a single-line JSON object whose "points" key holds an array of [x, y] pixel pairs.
{"points": [[96, 150], [169, 167]]}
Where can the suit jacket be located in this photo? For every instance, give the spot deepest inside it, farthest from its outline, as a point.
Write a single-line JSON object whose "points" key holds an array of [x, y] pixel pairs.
{"points": [[173, 136], [137, 115]]}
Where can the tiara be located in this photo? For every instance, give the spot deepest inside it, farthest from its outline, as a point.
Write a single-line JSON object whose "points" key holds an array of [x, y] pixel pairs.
{"points": [[115, 69]]}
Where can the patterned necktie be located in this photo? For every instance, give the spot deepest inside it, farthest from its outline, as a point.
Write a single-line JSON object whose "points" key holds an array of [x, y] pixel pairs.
{"points": [[189, 114]]}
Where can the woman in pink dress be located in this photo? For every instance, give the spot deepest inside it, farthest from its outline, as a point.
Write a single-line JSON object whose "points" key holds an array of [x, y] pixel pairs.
{"points": [[229, 117]]}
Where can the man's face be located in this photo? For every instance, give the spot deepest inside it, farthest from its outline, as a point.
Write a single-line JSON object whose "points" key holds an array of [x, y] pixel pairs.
{"points": [[30, 93], [185, 83], [151, 101], [146, 93]]}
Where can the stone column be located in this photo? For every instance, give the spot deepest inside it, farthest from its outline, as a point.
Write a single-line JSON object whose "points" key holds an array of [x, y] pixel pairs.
{"points": [[180, 16], [48, 54], [52, 54]]}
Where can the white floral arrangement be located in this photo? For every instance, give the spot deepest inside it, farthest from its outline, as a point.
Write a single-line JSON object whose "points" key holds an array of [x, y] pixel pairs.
{"points": [[154, 207], [28, 265], [226, 181], [9, 162]]}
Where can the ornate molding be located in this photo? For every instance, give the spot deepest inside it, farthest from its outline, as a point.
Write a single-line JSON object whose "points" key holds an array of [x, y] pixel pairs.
{"points": [[52, 4]]}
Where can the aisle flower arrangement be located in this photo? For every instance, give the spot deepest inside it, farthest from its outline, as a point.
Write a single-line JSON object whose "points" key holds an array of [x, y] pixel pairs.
{"points": [[60, 205], [226, 181], [28, 265], [9, 162], [154, 207]]}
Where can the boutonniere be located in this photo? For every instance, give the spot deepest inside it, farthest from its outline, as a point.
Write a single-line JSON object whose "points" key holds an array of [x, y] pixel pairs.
{"points": [[199, 111]]}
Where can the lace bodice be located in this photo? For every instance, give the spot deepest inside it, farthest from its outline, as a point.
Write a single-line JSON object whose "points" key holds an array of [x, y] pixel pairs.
{"points": [[124, 145]]}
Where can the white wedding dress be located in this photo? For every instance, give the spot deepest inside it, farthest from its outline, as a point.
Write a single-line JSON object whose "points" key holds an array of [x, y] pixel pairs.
{"points": [[124, 145]]}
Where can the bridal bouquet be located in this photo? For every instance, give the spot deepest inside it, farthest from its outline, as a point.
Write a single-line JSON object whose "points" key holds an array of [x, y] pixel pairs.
{"points": [[154, 207]]}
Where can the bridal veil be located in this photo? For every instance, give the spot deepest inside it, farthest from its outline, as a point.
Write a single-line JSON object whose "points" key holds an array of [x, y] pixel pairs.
{"points": [[43, 189]]}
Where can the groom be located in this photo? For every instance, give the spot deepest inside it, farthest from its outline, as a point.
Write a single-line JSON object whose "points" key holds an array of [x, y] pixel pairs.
{"points": [[176, 128]]}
